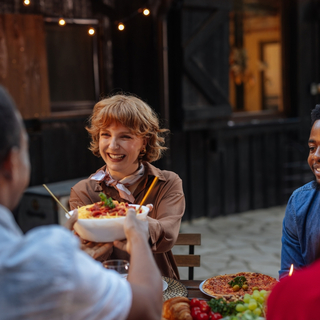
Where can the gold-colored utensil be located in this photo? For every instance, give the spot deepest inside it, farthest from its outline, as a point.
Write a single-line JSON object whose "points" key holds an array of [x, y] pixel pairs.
{"points": [[54, 197], [146, 195]]}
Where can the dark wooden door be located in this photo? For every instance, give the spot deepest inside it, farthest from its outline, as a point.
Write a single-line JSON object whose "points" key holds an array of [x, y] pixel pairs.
{"points": [[308, 62], [198, 35]]}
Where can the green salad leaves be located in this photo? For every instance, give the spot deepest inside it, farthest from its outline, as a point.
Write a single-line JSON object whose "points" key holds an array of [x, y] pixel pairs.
{"points": [[107, 202], [223, 307]]}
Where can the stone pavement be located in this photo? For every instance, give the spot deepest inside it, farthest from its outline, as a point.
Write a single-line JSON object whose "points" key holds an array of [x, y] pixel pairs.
{"points": [[249, 241]]}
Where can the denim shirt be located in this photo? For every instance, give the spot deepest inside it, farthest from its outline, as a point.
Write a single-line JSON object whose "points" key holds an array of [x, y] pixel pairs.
{"points": [[301, 229], [44, 275]]}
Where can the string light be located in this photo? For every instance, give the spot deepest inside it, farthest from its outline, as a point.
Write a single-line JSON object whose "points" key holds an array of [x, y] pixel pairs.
{"points": [[90, 24], [26, 2], [62, 22], [121, 26], [146, 12]]}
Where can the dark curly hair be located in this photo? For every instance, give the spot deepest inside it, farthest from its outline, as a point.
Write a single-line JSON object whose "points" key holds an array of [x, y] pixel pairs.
{"points": [[315, 114]]}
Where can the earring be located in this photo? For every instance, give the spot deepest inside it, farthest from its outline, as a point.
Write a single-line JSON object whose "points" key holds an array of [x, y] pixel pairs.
{"points": [[142, 153]]}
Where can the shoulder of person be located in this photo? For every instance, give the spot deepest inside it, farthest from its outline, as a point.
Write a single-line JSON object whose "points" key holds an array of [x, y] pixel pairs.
{"points": [[47, 263], [83, 184], [162, 174], [307, 190], [45, 257], [299, 202], [56, 241]]}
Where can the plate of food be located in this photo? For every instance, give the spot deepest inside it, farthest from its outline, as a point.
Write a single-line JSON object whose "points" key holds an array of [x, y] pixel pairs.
{"points": [[234, 286], [103, 221]]}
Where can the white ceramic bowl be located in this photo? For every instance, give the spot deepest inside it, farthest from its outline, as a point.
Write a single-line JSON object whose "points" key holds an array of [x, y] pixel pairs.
{"points": [[105, 230]]}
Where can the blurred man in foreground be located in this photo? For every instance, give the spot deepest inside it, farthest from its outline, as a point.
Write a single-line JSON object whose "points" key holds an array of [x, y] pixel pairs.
{"points": [[301, 224], [44, 274]]}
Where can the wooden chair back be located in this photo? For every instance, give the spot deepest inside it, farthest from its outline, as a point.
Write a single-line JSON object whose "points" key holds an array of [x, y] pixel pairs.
{"points": [[190, 260]]}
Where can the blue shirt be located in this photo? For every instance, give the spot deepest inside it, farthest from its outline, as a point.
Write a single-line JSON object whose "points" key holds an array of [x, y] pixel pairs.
{"points": [[44, 275], [301, 229]]}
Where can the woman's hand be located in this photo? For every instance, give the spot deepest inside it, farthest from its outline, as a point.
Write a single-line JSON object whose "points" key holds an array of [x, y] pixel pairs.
{"points": [[150, 206], [93, 249], [97, 250], [132, 228], [72, 220]]}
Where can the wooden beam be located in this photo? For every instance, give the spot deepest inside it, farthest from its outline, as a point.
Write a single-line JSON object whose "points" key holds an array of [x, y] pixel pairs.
{"points": [[208, 4], [208, 112]]}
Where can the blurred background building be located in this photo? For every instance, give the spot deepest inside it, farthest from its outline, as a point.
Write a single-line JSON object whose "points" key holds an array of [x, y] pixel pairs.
{"points": [[234, 80]]}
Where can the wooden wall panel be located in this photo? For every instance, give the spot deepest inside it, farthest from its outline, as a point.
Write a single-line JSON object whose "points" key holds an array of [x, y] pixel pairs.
{"points": [[35, 152], [68, 141], [235, 169], [230, 180], [281, 196], [270, 165], [244, 173], [59, 151], [179, 163], [23, 66], [197, 174], [278, 172], [296, 171], [258, 171], [214, 178]]}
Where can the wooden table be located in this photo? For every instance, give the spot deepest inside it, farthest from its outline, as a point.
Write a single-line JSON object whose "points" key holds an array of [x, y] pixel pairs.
{"points": [[193, 289]]}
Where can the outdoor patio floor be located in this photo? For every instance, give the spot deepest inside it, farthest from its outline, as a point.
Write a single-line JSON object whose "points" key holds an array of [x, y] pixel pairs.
{"points": [[249, 241]]}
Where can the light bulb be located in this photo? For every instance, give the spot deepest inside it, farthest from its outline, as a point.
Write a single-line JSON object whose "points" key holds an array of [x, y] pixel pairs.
{"points": [[26, 2], [121, 26], [62, 22], [146, 12], [91, 31]]}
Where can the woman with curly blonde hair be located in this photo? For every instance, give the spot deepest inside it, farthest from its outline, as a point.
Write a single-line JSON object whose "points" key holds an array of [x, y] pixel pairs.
{"points": [[125, 132]]}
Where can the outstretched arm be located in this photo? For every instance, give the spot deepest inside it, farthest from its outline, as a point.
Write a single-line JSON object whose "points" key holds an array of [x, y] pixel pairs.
{"points": [[144, 276]]}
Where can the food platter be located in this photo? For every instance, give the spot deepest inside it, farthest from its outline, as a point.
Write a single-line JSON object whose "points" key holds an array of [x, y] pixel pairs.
{"points": [[105, 230], [229, 286], [201, 289]]}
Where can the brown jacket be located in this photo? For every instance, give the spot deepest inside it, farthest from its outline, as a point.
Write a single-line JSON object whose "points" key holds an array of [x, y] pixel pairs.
{"points": [[164, 220]]}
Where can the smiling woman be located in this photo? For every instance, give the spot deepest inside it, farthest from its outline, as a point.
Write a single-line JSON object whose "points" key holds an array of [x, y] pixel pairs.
{"points": [[125, 132], [120, 149]]}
